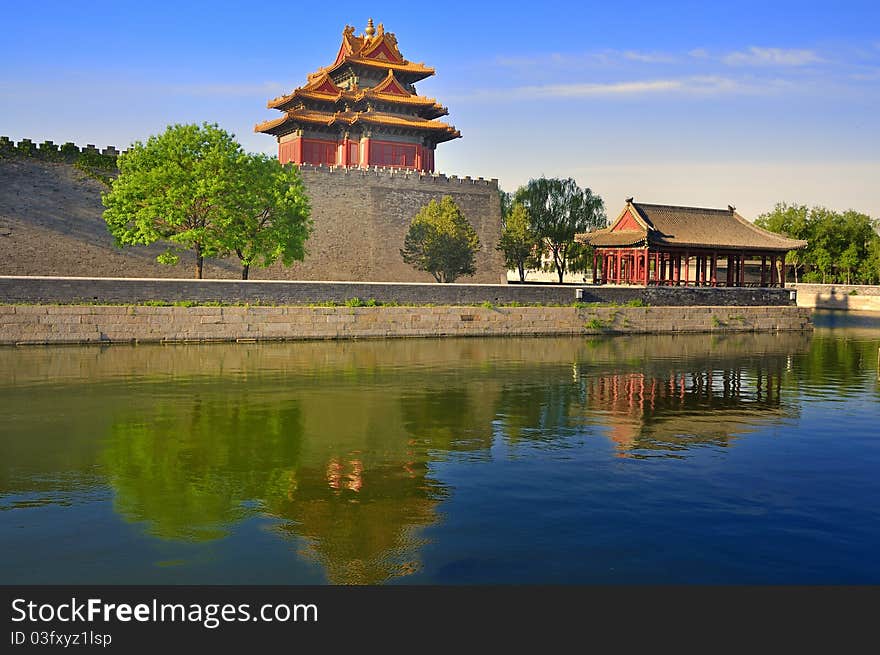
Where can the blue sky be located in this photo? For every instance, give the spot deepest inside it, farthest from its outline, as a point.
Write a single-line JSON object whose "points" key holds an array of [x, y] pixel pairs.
{"points": [[681, 102]]}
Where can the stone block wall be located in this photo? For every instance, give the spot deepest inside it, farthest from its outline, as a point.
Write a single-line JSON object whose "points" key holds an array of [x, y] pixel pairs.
{"points": [[21, 289], [52, 324], [361, 217], [51, 151], [849, 297]]}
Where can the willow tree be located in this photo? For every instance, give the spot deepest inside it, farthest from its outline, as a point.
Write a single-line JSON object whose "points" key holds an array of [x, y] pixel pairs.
{"points": [[175, 188], [441, 241], [559, 209]]}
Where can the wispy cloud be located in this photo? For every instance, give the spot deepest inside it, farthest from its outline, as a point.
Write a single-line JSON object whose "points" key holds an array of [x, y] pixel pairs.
{"points": [[756, 56], [649, 57], [227, 90], [695, 85], [585, 59]]}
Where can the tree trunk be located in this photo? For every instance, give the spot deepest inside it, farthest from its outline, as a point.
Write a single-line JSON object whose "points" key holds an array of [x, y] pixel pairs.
{"points": [[200, 261], [245, 268], [560, 272], [522, 271]]}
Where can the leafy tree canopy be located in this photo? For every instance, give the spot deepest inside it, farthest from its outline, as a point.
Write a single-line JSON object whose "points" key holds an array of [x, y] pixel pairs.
{"points": [[842, 246], [559, 209], [269, 218], [441, 241], [518, 242], [194, 188]]}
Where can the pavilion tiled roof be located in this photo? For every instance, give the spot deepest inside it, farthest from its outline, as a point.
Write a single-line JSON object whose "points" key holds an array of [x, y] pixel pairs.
{"points": [[700, 227], [340, 101], [445, 131]]}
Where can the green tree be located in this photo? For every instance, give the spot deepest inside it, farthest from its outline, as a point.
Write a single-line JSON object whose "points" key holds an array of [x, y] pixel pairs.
{"points": [[174, 188], [559, 209], [441, 241], [840, 245], [794, 222], [269, 219], [518, 242]]}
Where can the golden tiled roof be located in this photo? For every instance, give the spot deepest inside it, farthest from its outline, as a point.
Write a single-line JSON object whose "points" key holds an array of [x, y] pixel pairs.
{"points": [[352, 118], [322, 87], [376, 48]]}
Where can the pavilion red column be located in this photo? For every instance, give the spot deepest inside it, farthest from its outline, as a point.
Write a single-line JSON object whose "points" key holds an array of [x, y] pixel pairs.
{"points": [[657, 267], [687, 268], [646, 273], [773, 272], [617, 268], [763, 266], [713, 271], [703, 268], [677, 273], [365, 159], [730, 270], [782, 266], [595, 258], [742, 269]]}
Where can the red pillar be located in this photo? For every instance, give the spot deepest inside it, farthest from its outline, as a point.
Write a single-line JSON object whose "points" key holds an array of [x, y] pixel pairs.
{"points": [[687, 267], [730, 270], [617, 267], [782, 266], [763, 272], [742, 269], [595, 259], [773, 272], [703, 268], [714, 270], [656, 267], [365, 159], [677, 273]]}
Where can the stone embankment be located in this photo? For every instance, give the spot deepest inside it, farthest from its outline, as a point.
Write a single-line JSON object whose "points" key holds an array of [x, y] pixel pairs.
{"points": [[72, 324]]}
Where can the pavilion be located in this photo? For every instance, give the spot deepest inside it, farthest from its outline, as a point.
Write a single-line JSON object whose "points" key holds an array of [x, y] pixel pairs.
{"points": [[362, 110], [680, 246]]}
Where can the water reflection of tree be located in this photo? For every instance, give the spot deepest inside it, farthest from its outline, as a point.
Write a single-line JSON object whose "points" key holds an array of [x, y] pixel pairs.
{"points": [[186, 468], [333, 467], [838, 364]]}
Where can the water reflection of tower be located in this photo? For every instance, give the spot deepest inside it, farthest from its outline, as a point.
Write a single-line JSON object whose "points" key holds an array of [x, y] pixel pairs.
{"points": [[672, 408]]}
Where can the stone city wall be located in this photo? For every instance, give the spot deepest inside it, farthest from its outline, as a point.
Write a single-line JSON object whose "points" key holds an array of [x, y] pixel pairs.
{"points": [[51, 151], [42, 289], [362, 215], [850, 297], [72, 324]]}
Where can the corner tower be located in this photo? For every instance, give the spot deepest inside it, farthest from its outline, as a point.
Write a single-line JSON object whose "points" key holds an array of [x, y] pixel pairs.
{"points": [[362, 110]]}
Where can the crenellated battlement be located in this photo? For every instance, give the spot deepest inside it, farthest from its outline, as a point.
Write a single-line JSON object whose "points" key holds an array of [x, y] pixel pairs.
{"points": [[52, 151], [398, 173]]}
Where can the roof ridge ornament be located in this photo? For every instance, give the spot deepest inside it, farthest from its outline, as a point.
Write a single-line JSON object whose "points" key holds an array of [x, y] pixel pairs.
{"points": [[370, 31]]}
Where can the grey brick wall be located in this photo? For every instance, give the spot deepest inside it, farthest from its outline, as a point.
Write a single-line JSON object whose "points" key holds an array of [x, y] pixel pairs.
{"points": [[135, 290], [361, 217], [54, 324]]}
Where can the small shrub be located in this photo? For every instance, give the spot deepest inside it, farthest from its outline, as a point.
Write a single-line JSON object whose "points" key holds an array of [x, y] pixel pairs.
{"points": [[636, 302], [595, 324], [488, 305]]}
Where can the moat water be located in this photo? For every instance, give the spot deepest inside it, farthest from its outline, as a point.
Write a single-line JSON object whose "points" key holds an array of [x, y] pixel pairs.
{"points": [[650, 459]]}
